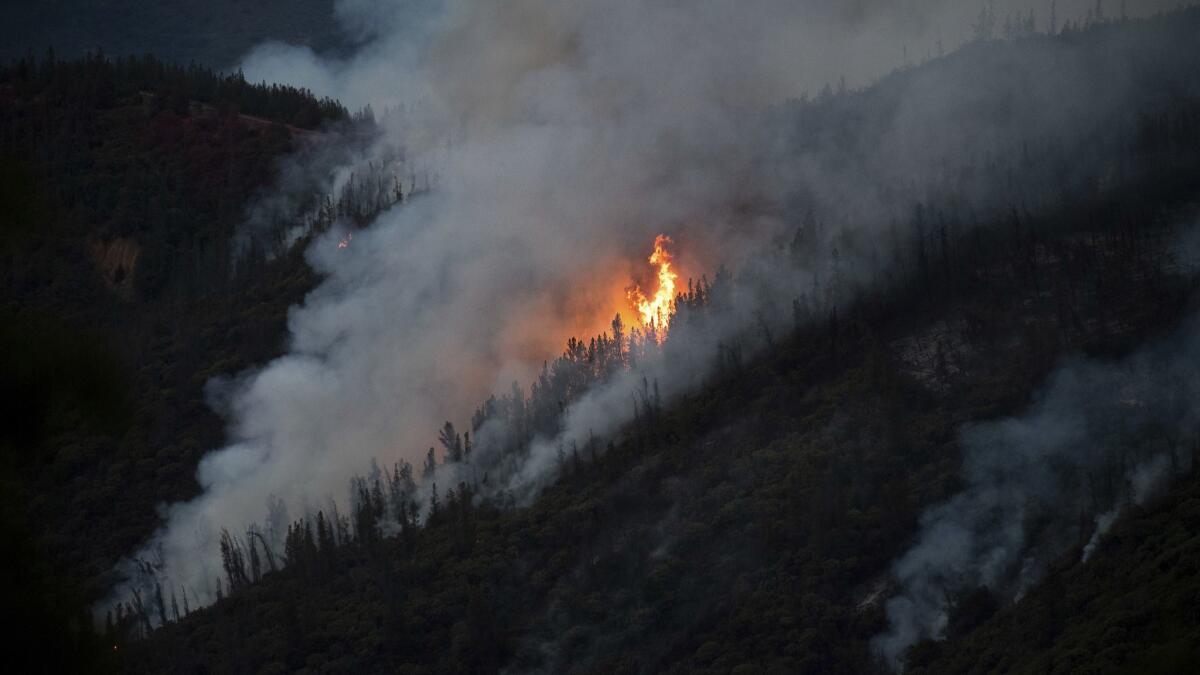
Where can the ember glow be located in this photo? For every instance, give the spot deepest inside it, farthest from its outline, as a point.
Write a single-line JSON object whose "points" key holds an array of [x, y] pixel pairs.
{"points": [[656, 310], [345, 242]]}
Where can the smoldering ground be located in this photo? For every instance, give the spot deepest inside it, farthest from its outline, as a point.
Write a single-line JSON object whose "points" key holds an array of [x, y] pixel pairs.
{"points": [[1098, 437]]}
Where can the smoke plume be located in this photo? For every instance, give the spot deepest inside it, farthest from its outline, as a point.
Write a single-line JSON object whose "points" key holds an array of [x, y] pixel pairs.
{"points": [[562, 137]]}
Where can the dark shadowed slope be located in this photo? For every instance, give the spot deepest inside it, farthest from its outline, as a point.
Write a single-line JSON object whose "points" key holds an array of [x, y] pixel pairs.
{"points": [[122, 185], [1130, 609]]}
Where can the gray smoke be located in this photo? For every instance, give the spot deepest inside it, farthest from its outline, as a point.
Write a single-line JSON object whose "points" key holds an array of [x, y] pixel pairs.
{"points": [[564, 136], [1098, 437]]}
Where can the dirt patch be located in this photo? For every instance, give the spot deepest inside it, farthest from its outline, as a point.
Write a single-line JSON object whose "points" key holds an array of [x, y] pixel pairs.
{"points": [[116, 260]]}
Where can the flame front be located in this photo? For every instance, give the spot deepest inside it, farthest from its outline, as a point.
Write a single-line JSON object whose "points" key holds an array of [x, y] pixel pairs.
{"points": [[657, 309]]}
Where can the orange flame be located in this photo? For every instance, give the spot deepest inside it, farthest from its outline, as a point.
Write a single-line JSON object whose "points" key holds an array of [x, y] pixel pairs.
{"points": [[345, 242], [656, 310]]}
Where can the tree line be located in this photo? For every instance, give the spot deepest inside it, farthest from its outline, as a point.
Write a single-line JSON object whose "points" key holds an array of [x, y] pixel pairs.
{"points": [[97, 81]]}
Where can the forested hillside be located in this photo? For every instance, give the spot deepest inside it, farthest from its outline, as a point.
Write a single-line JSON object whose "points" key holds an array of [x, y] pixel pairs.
{"points": [[748, 526], [751, 525], [123, 182], [1130, 609]]}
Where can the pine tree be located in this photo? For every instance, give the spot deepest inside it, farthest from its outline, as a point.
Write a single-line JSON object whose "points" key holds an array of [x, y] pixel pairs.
{"points": [[452, 442], [430, 466], [255, 565], [160, 604], [233, 561]]}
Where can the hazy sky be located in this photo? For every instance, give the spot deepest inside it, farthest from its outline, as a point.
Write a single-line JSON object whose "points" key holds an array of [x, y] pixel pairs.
{"points": [[808, 43]]}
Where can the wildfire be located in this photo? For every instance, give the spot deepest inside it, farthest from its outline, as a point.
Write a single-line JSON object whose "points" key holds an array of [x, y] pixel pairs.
{"points": [[656, 310], [345, 242]]}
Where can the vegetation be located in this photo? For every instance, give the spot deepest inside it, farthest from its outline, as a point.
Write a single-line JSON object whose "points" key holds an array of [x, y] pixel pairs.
{"points": [[123, 182], [1129, 609], [745, 526]]}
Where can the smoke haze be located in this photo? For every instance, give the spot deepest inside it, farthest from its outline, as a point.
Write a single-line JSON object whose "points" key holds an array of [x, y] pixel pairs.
{"points": [[563, 137]]}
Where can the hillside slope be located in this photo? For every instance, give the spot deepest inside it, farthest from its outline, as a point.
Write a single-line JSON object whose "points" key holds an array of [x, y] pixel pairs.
{"points": [[1131, 608], [748, 526], [123, 184], [751, 526]]}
